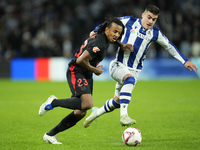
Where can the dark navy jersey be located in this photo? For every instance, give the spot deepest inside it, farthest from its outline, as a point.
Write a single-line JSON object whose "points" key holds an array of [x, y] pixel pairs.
{"points": [[97, 46]]}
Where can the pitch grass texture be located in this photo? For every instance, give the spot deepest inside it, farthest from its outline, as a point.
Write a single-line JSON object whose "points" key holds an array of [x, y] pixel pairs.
{"points": [[167, 114]]}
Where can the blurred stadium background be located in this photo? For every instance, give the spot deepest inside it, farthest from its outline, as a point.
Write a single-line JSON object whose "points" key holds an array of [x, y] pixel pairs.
{"points": [[39, 37]]}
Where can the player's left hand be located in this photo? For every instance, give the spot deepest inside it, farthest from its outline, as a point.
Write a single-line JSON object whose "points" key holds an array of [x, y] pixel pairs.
{"points": [[127, 47], [92, 33], [190, 66]]}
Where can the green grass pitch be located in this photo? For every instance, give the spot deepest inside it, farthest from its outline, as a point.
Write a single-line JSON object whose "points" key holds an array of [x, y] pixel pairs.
{"points": [[167, 114]]}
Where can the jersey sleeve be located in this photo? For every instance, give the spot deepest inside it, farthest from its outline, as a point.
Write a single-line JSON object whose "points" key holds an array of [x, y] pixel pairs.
{"points": [[170, 47], [93, 50], [96, 28], [94, 47], [125, 19]]}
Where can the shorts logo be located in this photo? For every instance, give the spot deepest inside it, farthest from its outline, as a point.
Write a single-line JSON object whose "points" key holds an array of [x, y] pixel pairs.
{"points": [[117, 65], [95, 49], [83, 88]]}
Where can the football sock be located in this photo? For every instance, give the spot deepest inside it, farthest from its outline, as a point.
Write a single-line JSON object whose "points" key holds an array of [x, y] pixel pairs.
{"points": [[71, 103], [68, 122], [125, 94], [109, 106]]}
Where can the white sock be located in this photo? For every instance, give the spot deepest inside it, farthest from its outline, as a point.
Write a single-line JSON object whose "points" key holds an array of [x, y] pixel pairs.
{"points": [[109, 106], [125, 97]]}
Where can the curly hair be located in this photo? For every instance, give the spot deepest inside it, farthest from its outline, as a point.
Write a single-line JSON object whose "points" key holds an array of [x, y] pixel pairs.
{"points": [[108, 22]]}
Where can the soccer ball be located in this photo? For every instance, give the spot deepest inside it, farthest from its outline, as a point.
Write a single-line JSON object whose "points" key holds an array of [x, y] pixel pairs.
{"points": [[132, 136]]}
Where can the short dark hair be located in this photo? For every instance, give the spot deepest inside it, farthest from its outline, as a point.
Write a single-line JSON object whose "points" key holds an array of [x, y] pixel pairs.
{"points": [[108, 22], [153, 9]]}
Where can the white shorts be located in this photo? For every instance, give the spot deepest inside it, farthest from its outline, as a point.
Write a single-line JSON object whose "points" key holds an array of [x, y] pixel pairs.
{"points": [[118, 71]]}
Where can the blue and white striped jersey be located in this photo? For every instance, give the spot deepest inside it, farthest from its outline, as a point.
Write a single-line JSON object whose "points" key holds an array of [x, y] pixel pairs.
{"points": [[141, 39]]}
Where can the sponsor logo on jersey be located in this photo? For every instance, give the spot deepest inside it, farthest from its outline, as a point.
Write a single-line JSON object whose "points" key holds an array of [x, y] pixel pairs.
{"points": [[132, 31], [142, 36], [95, 49]]}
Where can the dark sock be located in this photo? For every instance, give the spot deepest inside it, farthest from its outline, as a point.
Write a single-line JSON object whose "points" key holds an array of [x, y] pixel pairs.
{"points": [[71, 103], [68, 122]]}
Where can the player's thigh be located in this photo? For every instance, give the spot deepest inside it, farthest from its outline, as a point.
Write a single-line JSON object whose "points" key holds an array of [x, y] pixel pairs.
{"points": [[87, 101], [118, 71]]}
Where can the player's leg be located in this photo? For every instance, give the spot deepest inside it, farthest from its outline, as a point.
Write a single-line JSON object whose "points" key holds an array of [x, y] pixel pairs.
{"points": [[70, 103], [129, 82], [85, 102], [52, 102], [125, 97], [82, 92], [126, 79], [66, 123], [69, 121], [123, 90], [81, 88], [81, 99], [109, 106], [121, 100], [117, 72]]}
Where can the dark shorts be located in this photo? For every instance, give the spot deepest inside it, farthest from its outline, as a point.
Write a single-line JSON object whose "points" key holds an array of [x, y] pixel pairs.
{"points": [[79, 82]]}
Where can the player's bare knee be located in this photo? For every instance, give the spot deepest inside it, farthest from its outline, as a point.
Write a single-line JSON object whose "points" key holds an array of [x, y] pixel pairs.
{"points": [[87, 102], [116, 98], [87, 105], [80, 113]]}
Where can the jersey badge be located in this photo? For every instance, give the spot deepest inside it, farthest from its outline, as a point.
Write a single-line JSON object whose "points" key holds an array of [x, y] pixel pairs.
{"points": [[95, 49], [149, 33]]}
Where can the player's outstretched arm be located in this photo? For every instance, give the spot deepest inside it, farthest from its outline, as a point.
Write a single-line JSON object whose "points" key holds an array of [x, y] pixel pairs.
{"points": [[124, 47], [190, 66]]}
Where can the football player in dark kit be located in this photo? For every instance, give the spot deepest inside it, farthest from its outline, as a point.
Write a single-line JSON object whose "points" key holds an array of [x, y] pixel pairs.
{"points": [[79, 76]]}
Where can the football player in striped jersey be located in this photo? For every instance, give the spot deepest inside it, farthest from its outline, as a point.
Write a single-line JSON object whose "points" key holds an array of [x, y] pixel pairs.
{"points": [[126, 66]]}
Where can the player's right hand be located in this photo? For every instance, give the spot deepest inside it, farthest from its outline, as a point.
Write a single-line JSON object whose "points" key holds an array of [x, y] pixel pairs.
{"points": [[127, 47], [99, 70], [190, 66]]}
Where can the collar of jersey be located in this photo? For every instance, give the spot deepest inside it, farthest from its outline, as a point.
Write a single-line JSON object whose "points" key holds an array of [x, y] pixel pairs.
{"points": [[107, 41]]}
